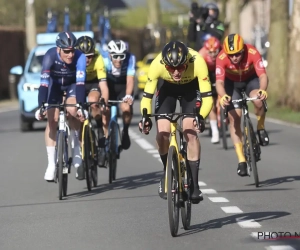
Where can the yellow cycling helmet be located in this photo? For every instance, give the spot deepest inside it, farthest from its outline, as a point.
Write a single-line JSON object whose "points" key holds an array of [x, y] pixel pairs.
{"points": [[233, 44]]}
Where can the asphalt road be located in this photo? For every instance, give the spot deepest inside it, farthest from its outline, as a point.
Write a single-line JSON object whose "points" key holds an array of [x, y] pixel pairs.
{"points": [[128, 214]]}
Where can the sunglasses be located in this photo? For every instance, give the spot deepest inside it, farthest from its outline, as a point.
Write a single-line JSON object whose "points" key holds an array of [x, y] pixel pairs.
{"points": [[69, 51], [213, 53], [180, 68], [121, 57], [90, 56], [236, 54]]}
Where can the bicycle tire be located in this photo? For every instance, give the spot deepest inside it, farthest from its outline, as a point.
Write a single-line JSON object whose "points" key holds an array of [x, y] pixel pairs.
{"points": [[223, 129], [172, 190], [252, 158], [95, 158], [87, 158], [60, 162], [112, 156], [186, 206]]}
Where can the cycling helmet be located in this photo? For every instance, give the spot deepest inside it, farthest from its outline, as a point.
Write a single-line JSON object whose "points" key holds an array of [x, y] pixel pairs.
{"points": [[233, 44], [66, 40], [212, 44], [116, 47], [86, 45], [174, 54]]}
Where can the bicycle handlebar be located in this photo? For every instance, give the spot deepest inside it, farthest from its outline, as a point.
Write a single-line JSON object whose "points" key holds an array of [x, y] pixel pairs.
{"points": [[170, 116], [59, 105]]}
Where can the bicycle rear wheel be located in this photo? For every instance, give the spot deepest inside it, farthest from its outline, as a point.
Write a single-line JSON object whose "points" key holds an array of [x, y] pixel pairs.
{"points": [[112, 158], [223, 129], [186, 206], [173, 190], [87, 158], [252, 159]]}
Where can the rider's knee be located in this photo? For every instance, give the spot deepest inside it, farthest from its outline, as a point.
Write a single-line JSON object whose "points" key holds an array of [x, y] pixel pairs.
{"points": [[162, 136]]}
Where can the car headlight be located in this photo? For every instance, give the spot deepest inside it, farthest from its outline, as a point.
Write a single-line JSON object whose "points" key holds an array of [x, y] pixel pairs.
{"points": [[30, 86]]}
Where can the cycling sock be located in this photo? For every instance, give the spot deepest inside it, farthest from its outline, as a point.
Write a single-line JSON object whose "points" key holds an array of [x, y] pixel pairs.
{"points": [[164, 160], [239, 152], [194, 166], [261, 122], [51, 156], [214, 126]]}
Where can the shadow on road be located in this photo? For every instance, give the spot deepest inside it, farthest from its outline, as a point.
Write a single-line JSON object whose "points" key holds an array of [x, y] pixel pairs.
{"points": [[278, 181], [220, 222]]}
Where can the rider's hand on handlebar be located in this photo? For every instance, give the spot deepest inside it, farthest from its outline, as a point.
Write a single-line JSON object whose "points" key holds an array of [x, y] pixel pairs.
{"points": [[81, 116], [225, 100], [128, 99], [201, 122], [147, 127], [262, 94], [38, 115]]}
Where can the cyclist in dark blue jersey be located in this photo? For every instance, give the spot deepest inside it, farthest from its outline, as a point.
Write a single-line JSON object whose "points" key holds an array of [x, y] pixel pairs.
{"points": [[120, 73], [63, 71]]}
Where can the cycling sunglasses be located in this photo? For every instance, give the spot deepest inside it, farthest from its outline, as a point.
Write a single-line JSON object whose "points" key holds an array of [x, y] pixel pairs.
{"points": [[213, 53], [90, 56], [121, 57], [68, 51], [179, 68], [236, 54]]}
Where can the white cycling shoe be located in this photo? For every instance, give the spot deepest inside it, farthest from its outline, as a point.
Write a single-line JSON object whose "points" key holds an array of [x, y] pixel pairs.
{"points": [[215, 138], [49, 174]]}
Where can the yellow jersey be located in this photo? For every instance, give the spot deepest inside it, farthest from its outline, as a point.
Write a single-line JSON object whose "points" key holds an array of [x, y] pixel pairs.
{"points": [[96, 72], [196, 68]]}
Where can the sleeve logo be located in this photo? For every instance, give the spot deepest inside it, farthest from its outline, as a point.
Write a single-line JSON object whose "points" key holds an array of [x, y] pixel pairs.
{"points": [[252, 51], [222, 56], [260, 65], [80, 74], [192, 59], [219, 71], [45, 75]]}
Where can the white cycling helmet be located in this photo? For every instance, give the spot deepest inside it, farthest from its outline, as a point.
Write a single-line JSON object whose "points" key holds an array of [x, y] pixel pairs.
{"points": [[116, 47]]}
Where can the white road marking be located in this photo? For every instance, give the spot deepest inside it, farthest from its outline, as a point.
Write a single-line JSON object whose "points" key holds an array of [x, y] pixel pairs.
{"points": [[152, 151], [208, 191], [286, 247], [218, 199], [248, 223], [156, 155], [144, 144], [232, 210], [200, 183]]}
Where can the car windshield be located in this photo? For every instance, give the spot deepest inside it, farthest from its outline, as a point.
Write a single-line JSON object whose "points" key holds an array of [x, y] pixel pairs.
{"points": [[36, 64]]}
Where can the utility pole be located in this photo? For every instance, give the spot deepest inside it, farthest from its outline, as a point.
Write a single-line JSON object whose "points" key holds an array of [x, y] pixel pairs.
{"points": [[234, 26], [30, 25], [154, 17]]}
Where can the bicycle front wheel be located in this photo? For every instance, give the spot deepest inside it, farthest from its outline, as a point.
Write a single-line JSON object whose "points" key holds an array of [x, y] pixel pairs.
{"points": [[60, 161], [252, 158], [95, 160], [173, 190], [112, 158], [87, 158]]}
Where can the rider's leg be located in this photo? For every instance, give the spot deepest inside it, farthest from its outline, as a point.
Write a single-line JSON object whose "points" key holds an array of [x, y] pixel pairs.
{"points": [[127, 116], [214, 123], [251, 90], [50, 140]]}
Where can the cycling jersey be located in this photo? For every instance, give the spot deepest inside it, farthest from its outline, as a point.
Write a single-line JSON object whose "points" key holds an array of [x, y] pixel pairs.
{"points": [[250, 65], [57, 72], [95, 71], [115, 75], [211, 65], [196, 68]]}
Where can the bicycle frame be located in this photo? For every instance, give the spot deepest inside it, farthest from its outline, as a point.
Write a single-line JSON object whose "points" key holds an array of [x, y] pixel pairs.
{"points": [[114, 120], [88, 123]]}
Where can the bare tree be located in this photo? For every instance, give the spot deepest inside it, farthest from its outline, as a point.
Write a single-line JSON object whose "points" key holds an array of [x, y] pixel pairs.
{"points": [[278, 51], [293, 89]]}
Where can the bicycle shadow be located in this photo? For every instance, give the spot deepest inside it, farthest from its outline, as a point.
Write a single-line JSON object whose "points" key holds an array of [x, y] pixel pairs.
{"points": [[233, 219], [127, 183], [277, 181]]}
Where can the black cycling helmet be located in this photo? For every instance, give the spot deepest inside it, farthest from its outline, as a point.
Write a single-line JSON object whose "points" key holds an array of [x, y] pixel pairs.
{"points": [[66, 40], [175, 53], [86, 45]]}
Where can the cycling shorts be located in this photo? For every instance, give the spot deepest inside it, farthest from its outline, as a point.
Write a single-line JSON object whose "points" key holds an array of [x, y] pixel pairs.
{"points": [[168, 93], [212, 77], [55, 95], [233, 89], [89, 87]]}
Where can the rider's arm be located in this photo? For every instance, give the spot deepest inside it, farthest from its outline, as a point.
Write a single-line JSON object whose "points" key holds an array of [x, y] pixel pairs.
{"points": [[220, 74], [45, 78], [259, 68], [204, 86], [101, 75], [130, 75], [80, 78], [151, 84]]}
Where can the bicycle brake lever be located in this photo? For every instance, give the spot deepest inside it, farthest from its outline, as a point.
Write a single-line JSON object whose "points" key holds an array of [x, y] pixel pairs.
{"points": [[102, 103], [144, 118]]}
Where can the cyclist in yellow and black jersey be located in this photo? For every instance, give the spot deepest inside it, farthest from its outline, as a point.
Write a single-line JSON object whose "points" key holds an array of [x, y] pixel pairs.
{"points": [[95, 83], [184, 73]]}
